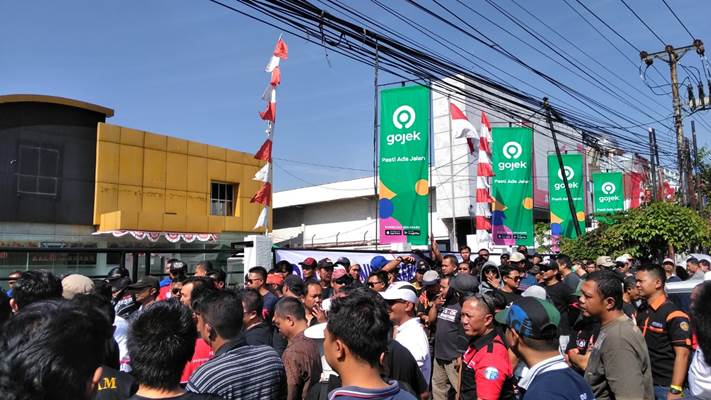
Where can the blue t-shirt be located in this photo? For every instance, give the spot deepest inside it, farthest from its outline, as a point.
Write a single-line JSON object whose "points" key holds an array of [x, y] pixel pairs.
{"points": [[391, 392], [562, 384]]}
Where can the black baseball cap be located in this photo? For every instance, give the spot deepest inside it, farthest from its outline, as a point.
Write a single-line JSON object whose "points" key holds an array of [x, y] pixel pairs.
{"points": [[145, 283], [531, 317], [325, 263], [344, 261], [465, 284]]}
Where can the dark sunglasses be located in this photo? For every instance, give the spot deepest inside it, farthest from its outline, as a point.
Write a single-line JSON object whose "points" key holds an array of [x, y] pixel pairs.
{"points": [[176, 291]]}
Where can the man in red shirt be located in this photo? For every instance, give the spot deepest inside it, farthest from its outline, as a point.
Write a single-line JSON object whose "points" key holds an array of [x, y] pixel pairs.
{"points": [[486, 369], [193, 288]]}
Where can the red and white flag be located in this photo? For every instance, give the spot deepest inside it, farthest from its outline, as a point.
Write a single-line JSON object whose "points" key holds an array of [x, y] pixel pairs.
{"points": [[262, 218], [281, 52], [484, 172], [270, 113], [263, 195], [265, 151], [461, 127], [276, 77], [263, 174]]}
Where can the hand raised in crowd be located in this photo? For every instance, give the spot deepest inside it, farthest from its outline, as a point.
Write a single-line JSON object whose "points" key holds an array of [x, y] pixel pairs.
{"points": [[319, 314], [493, 280], [407, 259], [439, 301]]}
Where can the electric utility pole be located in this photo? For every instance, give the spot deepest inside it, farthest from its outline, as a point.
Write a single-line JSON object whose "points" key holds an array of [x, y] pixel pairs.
{"points": [[550, 113], [671, 56], [652, 145], [697, 168]]}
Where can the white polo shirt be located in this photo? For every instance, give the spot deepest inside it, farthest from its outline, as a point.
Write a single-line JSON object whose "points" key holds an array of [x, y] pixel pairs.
{"points": [[411, 336]]}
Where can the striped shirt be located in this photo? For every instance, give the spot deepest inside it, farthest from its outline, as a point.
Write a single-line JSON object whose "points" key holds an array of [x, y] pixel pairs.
{"points": [[391, 392], [240, 371]]}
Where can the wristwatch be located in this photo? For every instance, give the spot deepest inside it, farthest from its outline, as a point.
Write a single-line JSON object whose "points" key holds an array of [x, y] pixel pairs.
{"points": [[673, 389]]}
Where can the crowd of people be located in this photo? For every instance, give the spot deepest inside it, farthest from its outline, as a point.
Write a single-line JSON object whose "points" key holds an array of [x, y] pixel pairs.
{"points": [[527, 327]]}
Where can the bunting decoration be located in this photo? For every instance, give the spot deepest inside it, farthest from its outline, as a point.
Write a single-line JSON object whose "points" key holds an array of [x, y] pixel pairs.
{"points": [[264, 175], [484, 173]]}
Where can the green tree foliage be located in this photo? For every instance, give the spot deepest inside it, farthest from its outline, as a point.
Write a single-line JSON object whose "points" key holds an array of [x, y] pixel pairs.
{"points": [[644, 232], [705, 174], [543, 238]]}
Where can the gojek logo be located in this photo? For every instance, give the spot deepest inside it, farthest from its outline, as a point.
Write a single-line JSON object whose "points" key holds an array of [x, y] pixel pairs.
{"points": [[403, 118], [608, 188], [512, 151], [569, 174]]}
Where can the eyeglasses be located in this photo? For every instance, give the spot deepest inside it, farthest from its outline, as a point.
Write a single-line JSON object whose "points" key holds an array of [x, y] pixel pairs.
{"points": [[515, 278], [372, 284], [176, 291]]}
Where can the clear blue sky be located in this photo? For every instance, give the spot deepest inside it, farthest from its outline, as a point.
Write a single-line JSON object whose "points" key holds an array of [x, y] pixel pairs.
{"points": [[195, 70]]}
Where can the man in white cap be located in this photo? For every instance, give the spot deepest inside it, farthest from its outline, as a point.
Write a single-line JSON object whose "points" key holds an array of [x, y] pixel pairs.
{"points": [[75, 284], [518, 262], [402, 301], [604, 262], [670, 270], [624, 264]]}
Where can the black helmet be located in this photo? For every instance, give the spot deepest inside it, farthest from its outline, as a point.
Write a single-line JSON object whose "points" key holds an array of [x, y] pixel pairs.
{"points": [[116, 273]]}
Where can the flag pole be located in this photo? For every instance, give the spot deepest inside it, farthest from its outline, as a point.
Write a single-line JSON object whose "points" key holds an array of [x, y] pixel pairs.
{"points": [[453, 237]]}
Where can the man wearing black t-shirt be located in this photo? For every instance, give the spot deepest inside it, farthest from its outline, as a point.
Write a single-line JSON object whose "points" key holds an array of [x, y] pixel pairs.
{"points": [[560, 295], [511, 278]]}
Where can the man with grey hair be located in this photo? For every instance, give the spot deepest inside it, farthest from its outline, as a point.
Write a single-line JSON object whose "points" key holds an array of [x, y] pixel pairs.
{"points": [[695, 272], [486, 371]]}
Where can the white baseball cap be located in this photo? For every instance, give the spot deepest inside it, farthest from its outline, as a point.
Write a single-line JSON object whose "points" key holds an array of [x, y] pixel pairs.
{"points": [[535, 291], [621, 259], [517, 257], [401, 291], [315, 331]]}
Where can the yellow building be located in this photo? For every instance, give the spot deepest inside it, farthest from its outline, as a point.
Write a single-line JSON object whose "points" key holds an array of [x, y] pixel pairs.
{"points": [[151, 182]]}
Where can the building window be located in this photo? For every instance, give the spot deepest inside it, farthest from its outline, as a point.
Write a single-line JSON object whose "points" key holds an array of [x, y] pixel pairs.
{"points": [[222, 199], [38, 170]]}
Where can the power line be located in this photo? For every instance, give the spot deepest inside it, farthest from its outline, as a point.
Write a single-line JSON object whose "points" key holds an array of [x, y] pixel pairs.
{"points": [[581, 50], [643, 23], [602, 21], [583, 99], [299, 14], [567, 57], [679, 20]]}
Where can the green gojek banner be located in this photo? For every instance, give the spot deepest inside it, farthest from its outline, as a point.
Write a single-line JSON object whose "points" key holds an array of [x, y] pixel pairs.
{"points": [[561, 219], [512, 186], [609, 193], [403, 203]]}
